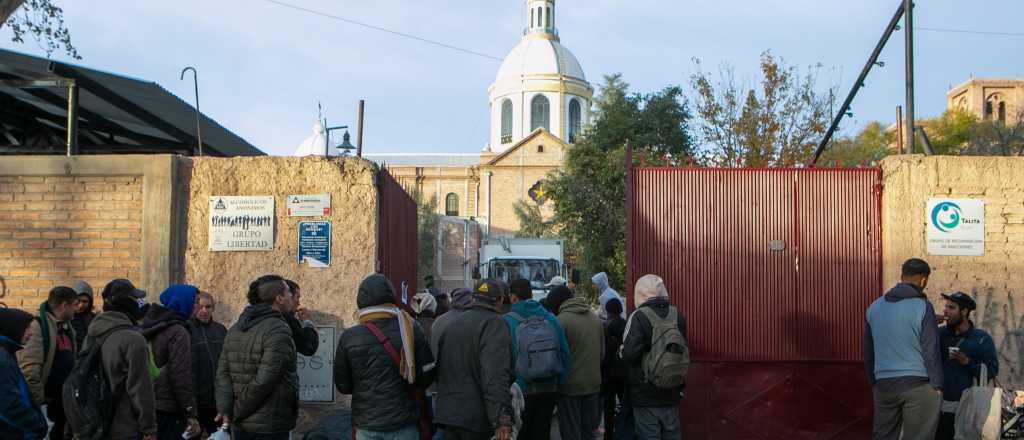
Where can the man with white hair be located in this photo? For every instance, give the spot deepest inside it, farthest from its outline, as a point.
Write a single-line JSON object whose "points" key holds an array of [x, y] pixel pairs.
{"points": [[656, 364]]}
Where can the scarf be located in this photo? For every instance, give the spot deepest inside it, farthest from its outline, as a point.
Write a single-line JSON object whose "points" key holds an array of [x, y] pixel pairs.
{"points": [[407, 366]]}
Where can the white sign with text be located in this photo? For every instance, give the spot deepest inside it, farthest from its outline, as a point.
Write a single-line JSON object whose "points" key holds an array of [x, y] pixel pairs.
{"points": [[955, 227], [241, 223]]}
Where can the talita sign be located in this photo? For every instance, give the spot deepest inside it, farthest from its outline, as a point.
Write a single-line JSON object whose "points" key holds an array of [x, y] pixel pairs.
{"points": [[241, 223], [956, 227]]}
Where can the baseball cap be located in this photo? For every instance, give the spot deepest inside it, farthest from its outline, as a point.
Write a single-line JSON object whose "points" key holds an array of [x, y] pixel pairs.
{"points": [[489, 288], [962, 299], [121, 286], [556, 281]]}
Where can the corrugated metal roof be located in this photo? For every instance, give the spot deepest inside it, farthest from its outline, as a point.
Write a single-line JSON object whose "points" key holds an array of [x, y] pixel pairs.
{"points": [[108, 100], [425, 160]]}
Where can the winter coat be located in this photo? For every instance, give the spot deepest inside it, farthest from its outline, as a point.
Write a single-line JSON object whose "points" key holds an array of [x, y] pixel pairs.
{"points": [[636, 345], [34, 363], [474, 371], [257, 384], [527, 309], [126, 362], [440, 324], [81, 323], [19, 417], [975, 344], [613, 370], [207, 343], [172, 351], [381, 398], [606, 294], [305, 335], [585, 334]]}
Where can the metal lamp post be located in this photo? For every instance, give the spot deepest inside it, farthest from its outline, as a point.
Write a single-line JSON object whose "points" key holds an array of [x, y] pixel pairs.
{"points": [[195, 82]]}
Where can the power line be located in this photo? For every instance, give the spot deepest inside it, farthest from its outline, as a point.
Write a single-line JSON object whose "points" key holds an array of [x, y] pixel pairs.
{"points": [[378, 28], [966, 31]]}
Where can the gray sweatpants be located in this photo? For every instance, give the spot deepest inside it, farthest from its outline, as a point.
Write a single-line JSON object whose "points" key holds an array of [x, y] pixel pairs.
{"points": [[578, 416], [913, 413], [657, 422]]}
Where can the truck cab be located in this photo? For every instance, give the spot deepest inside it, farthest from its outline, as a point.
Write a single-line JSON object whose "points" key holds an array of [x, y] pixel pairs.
{"points": [[509, 259]]}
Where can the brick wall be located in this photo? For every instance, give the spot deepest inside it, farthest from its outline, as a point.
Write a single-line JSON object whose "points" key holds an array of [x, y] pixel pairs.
{"points": [[56, 230]]}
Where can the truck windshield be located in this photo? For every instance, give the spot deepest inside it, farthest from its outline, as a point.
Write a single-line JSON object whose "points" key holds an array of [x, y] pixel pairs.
{"points": [[538, 272]]}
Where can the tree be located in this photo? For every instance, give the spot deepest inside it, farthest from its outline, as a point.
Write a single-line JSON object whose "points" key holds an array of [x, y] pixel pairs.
{"points": [[778, 125], [866, 148], [950, 132], [531, 221], [41, 19], [427, 220], [995, 138], [588, 192]]}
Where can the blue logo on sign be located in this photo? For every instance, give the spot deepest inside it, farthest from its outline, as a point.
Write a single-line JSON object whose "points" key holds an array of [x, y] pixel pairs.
{"points": [[946, 216]]}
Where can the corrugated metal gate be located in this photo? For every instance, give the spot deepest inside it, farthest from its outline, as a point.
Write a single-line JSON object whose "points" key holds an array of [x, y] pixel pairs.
{"points": [[397, 243], [773, 269]]}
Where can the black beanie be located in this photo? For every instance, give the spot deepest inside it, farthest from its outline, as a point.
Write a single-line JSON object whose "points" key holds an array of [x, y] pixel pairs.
{"points": [[557, 296], [13, 323], [613, 307], [521, 288]]}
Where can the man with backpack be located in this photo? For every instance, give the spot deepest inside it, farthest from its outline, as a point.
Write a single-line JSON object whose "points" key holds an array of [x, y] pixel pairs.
{"points": [[171, 345], [49, 356], [385, 363], [541, 356], [109, 395], [579, 403], [654, 347]]}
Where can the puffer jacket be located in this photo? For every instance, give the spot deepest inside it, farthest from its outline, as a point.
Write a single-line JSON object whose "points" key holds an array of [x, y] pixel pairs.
{"points": [[257, 383], [19, 417], [637, 344], [207, 344], [474, 371], [381, 399], [126, 363], [172, 352], [585, 334], [34, 363]]}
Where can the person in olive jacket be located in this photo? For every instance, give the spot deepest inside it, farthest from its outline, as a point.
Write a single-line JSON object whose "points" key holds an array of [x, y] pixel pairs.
{"points": [[382, 406], [257, 383]]}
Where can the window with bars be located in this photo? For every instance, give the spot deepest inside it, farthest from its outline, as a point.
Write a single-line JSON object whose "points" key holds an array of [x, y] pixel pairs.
{"points": [[540, 113], [451, 205]]}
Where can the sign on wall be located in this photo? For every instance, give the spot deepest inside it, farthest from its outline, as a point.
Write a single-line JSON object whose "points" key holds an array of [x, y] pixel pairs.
{"points": [[956, 226], [241, 223], [314, 247], [309, 205], [316, 372]]}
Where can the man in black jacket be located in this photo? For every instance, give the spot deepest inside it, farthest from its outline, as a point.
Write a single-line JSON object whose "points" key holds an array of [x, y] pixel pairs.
{"points": [[380, 374], [207, 343], [307, 338], [475, 370], [655, 410]]}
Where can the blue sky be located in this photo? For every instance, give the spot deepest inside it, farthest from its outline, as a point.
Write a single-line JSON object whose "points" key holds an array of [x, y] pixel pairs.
{"points": [[264, 67]]}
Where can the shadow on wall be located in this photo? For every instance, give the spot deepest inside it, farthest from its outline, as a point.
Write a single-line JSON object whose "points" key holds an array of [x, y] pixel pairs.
{"points": [[1000, 314]]}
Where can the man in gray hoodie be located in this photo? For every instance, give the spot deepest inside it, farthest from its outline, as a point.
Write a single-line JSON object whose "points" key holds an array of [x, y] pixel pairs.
{"points": [[902, 358], [605, 294]]}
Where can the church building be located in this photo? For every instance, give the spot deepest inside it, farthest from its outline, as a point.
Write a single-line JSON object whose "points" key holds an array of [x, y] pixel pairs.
{"points": [[539, 103]]}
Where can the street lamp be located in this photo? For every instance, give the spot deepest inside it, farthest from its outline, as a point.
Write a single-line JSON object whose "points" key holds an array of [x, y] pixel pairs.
{"points": [[346, 144]]}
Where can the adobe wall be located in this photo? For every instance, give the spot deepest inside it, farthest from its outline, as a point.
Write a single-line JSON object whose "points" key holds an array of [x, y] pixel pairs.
{"points": [[995, 279]]}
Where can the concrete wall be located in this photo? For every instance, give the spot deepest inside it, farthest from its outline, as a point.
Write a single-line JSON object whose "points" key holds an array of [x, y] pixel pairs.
{"points": [[996, 279]]}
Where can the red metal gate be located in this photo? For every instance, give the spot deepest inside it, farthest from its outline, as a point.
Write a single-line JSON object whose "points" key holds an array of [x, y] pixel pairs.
{"points": [[773, 269], [397, 245]]}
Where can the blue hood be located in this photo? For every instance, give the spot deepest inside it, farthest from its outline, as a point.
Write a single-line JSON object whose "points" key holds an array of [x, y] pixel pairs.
{"points": [[181, 298]]}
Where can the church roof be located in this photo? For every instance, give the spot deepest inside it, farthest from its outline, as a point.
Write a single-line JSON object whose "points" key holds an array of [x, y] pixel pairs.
{"points": [[535, 133], [540, 56], [425, 159]]}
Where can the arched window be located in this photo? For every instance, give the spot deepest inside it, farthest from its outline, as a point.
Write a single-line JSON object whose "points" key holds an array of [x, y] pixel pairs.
{"points": [[540, 16], [995, 108], [451, 205], [506, 121], [533, 13], [540, 112], [575, 119], [547, 17], [1001, 113], [540, 148]]}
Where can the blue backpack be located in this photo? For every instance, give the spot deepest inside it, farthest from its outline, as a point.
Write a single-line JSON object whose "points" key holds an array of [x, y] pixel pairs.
{"points": [[537, 355]]}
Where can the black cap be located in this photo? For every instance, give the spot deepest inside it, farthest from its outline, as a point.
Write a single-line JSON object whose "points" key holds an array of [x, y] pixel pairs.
{"points": [[962, 299], [122, 286], [489, 288]]}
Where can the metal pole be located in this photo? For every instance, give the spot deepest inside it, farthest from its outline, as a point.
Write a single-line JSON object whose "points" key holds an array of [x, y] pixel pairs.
{"points": [[359, 127], [872, 61], [195, 83], [908, 9], [72, 119], [630, 238], [899, 129]]}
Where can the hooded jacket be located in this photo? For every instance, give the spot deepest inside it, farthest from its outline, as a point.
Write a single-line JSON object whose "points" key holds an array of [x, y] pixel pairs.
{"points": [[172, 351], [636, 345], [975, 344], [19, 417], [527, 309], [82, 320], [207, 344], [606, 293], [461, 300], [474, 370], [381, 399], [909, 347], [257, 383], [585, 335], [36, 364], [126, 363]]}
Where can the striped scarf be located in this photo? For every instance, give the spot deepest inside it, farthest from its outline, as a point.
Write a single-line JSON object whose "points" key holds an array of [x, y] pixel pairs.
{"points": [[407, 366]]}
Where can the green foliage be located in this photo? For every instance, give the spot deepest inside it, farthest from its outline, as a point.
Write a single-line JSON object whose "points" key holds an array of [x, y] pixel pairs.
{"points": [[994, 138], [950, 132], [865, 149], [427, 220], [44, 21], [589, 192], [531, 221]]}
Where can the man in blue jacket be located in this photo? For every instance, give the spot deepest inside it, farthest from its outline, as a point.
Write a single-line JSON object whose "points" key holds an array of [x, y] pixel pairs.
{"points": [[966, 349], [902, 358], [541, 395]]}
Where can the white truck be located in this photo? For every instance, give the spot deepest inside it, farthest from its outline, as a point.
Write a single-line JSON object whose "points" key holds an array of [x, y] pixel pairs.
{"points": [[509, 259]]}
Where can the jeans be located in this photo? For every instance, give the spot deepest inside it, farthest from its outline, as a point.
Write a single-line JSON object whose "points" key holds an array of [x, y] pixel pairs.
{"points": [[657, 422], [611, 395], [55, 412], [578, 416], [913, 413], [411, 432]]}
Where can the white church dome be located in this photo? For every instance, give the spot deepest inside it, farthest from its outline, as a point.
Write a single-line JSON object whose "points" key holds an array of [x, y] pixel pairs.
{"points": [[540, 56]]}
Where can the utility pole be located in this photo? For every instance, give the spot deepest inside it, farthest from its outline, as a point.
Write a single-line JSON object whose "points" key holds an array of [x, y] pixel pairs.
{"points": [[359, 127], [908, 23]]}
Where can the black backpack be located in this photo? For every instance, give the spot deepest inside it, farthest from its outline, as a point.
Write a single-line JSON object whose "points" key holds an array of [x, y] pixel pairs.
{"points": [[89, 401]]}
